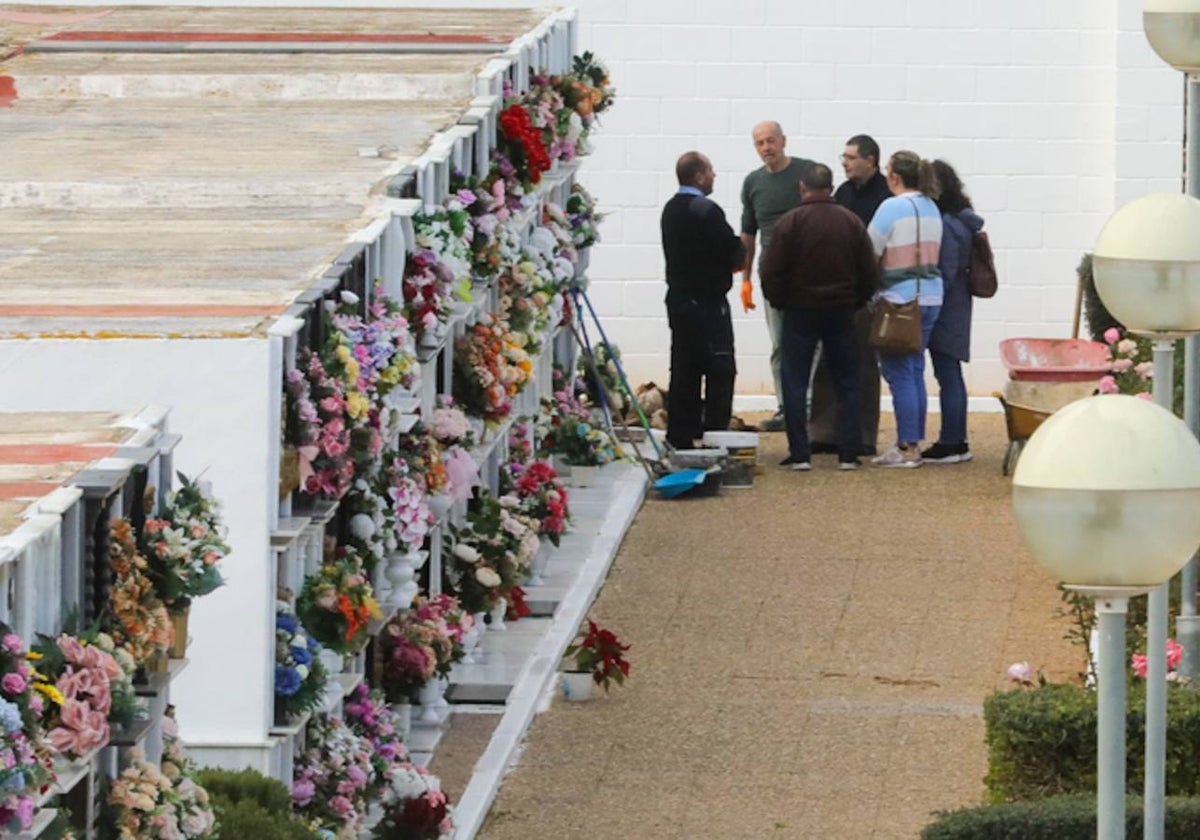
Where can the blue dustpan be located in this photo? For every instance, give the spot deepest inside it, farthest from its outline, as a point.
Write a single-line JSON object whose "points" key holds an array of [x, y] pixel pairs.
{"points": [[678, 483]]}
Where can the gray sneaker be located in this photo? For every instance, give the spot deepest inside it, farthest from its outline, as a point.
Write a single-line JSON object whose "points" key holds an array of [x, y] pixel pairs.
{"points": [[773, 424]]}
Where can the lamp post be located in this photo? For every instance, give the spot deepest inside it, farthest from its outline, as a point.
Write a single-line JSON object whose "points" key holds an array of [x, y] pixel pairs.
{"points": [[1147, 270], [1105, 496], [1173, 29]]}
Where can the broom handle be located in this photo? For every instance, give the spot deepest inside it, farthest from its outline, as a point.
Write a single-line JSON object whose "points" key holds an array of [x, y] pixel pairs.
{"points": [[620, 368], [1078, 305]]}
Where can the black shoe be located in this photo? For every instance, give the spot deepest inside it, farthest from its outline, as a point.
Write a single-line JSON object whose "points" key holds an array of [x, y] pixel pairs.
{"points": [[848, 466], [823, 448], [775, 423], [947, 453]]}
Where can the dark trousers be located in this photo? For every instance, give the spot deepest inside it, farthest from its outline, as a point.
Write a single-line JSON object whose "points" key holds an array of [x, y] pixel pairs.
{"points": [[822, 425], [701, 355], [834, 329]]}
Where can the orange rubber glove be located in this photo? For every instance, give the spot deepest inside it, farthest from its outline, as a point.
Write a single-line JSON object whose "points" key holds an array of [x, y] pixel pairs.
{"points": [[747, 296]]}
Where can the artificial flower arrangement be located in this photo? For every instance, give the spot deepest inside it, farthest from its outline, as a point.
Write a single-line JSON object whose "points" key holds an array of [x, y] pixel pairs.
{"points": [[564, 429], [521, 152], [416, 647], [541, 495], [1130, 373], [429, 288], [23, 773], [600, 652], [446, 611], [337, 603], [193, 808], [366, 506], [333, 778], [408, 516], [371, 717], [140, 623], [608, 358], [145, 803], [418, 810], [454, 435], [299, 675], [484, 381], [493, 244], [582, 219], [422, 452], [317, 426], [184, 543], [587, 88], [87, 685], [448, 233], [521, 441], [491, 554]]}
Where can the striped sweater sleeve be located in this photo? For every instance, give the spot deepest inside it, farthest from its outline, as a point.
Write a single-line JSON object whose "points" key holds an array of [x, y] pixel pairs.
{"points": [[893, 233]]}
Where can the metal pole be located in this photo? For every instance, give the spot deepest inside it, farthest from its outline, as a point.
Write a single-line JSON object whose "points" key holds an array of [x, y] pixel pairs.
{"points": [[1156, 640], [1187, 623], [1110, 732]]}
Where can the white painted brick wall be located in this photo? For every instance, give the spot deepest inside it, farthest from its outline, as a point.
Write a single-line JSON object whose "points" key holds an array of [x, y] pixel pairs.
{"points": [[1055, 113]]}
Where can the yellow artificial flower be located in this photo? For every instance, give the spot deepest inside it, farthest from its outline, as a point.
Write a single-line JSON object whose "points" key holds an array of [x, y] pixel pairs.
{"points": [[357, 405], [372, 607], [33, 656], [352, 370], [342, 353], [50, 691]]}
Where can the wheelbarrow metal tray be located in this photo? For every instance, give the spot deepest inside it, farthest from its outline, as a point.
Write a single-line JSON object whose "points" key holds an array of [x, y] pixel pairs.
{"points": [[1054, 359]]}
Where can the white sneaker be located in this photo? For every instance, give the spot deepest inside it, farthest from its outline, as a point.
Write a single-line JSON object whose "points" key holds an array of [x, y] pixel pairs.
{"points": [[899, 458], [803, 466]]}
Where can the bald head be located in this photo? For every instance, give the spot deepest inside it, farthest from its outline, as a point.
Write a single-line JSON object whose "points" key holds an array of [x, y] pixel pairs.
{"points": [[694, 170]]}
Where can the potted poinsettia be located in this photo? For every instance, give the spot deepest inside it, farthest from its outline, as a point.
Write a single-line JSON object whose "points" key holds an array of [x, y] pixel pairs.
{"points": [[597, 657]]}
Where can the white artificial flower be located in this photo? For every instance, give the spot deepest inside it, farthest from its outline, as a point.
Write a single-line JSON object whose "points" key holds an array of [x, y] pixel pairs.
{"points": [[302, 670], [486, 576], [466, 553]]}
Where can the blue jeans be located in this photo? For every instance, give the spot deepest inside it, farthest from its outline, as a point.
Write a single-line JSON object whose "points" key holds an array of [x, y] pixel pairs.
{"points": [[834, 329], [952, 392], [905, 376]]}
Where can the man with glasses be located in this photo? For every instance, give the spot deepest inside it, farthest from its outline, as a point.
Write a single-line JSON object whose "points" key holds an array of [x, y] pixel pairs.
{"points": [[864, 189], [767, 193]]}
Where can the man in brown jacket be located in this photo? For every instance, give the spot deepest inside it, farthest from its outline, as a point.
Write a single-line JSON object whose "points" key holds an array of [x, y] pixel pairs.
{"points": [[819, 269]]}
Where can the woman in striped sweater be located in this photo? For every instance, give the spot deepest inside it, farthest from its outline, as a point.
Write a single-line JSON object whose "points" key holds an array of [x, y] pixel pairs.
{"points": [[907, 234]]}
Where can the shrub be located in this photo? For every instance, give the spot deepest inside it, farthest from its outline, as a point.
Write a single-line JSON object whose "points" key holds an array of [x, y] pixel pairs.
{"points": [[246, 819], [1042, 741], [1070, 817], [236, 786]]}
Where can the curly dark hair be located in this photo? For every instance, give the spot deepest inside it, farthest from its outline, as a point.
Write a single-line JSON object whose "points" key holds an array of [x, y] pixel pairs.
{"points": [[953, 199]]}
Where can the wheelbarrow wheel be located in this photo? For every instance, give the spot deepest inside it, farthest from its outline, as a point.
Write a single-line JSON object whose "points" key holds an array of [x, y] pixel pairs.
{"points": [[1011, 454]]}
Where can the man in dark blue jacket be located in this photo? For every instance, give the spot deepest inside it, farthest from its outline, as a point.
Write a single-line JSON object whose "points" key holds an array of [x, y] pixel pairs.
{"points": [[701, 253]]}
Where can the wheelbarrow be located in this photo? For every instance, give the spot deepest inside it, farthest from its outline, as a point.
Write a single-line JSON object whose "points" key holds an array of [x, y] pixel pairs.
{"points": [[1027, 404]]}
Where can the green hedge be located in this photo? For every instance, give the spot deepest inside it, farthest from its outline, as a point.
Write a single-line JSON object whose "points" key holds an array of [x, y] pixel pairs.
{"points": [[238, 785], [1042, 742], [246, 820], [1057, 818]]}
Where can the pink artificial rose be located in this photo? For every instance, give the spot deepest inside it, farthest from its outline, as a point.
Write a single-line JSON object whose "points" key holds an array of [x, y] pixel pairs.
{"points": [[1122, 365], [13, 643], [13, 683], [1145, 395], [95, 732], [93, 657], [1107, 385], [112, 669], [1174, 654], [1112, 335], [1022, 672], [1138, 661], [102, 698], [303, 791], [71, 649], [341, 805]]}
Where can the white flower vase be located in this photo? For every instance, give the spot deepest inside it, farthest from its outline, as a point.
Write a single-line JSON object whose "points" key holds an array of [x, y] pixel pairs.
{"points": [[439, 505], [333, 662], [380, 584], [442, 702], [480, 628], [403, 712], [470, 640], [583, 476], [561, 466], [497, 614], [537, 567], [429, 338], [430, 699], [401, 573], [576, 685]]}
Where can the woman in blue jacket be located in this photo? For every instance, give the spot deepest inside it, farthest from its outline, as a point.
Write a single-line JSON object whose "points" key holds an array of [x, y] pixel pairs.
{"points": [[950, 342]]}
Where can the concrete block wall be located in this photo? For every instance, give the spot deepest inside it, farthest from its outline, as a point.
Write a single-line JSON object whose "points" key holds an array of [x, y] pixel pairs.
{"points": [[1054, 114]]}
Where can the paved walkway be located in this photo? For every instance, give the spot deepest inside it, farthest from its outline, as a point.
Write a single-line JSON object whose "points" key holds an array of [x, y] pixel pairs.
{"points": [[809, 660]]}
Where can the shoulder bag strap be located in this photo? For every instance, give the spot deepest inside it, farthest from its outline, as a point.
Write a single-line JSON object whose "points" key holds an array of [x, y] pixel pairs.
{"points": [[917, 211]]}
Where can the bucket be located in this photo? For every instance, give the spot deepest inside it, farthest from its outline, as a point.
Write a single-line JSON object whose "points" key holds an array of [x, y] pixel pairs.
{"points": [[739, 468], [697, 459]]}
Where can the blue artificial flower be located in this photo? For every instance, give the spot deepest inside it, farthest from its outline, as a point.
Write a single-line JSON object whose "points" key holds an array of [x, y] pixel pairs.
{"points": [[287, 681], [285, 621], [15, 782], [301, 656], [10, 717], [582, 430]]}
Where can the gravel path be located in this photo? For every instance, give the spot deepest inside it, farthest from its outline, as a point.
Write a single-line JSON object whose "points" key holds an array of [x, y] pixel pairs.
{"points": [[809, 660]]}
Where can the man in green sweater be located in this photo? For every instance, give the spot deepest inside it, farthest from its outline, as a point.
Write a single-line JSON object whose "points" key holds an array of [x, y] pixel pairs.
{"points": [[767, 193]]}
